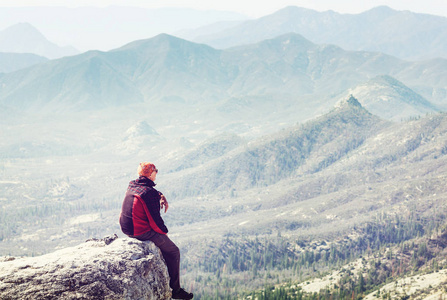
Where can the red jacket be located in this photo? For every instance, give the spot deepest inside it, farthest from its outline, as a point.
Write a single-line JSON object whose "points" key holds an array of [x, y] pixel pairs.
{"points": [[140, 212]]}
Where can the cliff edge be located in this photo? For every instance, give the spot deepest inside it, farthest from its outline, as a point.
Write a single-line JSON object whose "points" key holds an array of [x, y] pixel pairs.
{"points": [[109, 268]]}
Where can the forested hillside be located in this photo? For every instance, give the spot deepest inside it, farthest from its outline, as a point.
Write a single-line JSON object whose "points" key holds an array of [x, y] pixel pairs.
{"points": [[386, 250], [346, 186], [250, 214]]}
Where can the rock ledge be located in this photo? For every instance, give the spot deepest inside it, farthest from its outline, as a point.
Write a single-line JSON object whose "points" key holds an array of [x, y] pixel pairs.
{"points": [[109, 268]]}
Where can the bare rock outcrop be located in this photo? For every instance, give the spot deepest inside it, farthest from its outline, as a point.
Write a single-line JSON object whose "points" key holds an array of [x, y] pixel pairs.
{"points": [[109, 268]]}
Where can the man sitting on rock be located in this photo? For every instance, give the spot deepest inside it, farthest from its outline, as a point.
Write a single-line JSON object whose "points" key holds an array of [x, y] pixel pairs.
{"points": [[140, 218]]}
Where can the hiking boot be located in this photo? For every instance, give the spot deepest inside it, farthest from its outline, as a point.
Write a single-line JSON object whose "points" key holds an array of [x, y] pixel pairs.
{"points": [[181, 294]]}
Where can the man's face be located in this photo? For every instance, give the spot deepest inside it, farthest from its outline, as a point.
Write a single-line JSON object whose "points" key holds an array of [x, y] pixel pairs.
{"points": [[153, 175]]}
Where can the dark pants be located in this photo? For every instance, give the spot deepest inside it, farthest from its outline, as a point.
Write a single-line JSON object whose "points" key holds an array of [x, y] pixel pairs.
{"points": [[170, 252]]}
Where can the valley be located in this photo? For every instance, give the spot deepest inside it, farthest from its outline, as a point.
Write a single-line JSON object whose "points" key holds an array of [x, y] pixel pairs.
{"points": [[294, 169], [309, 186]]}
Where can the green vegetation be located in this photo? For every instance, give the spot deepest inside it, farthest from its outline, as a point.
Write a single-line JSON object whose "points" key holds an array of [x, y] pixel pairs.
{"points": [[277, 211], [389, 248]]}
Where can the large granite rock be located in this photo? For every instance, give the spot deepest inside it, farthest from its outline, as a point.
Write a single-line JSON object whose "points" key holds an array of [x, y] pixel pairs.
{"points": [[110, 268]]}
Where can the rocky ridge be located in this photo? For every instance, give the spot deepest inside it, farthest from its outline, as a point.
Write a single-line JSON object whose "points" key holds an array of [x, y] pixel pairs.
{"points": [[108, 268]]}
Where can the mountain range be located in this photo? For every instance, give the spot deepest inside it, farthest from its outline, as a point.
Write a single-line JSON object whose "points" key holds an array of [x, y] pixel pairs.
{"points": [[25, 38], [10, 62], [320, 163], [104, 28], [403, 34], [168, 73], [282, 155]]}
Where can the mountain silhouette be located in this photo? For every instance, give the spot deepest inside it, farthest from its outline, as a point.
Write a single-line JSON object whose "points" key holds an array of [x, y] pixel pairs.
{"points": [[25, 38], [403, 34], [165, 70]]}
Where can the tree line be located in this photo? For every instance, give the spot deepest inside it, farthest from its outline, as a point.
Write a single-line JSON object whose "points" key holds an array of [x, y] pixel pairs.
{"points": [[240, 264]]}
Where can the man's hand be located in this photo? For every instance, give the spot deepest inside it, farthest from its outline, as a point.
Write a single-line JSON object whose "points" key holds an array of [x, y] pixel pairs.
{"points": [[164, 203]]}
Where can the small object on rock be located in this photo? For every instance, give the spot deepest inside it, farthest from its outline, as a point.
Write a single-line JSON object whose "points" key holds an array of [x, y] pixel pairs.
{"points": [[107, 240], [6, 258]]}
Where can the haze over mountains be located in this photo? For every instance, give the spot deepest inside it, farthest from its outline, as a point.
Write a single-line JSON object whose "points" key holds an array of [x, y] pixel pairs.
{"points": [[10, 62], [24, 38], [104, 28], [165, 70], [403, 34]]}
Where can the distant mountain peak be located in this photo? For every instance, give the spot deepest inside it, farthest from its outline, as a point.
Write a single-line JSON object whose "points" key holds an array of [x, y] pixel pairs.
{"points": [[389, 98], [24, 26], [142, 128], [294, 9], [25, 38], [161, 41], [292, 36], [165, 37], [351, 101], [287, 41], [22, 30], [160, 38], [382, 9]]}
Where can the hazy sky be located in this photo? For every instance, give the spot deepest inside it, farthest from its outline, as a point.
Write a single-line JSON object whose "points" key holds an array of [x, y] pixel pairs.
{"points": [[253, 8], [87, 29]]}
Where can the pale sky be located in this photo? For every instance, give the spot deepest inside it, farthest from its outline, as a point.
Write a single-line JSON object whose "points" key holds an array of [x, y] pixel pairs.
{"points": [[252, 8]]}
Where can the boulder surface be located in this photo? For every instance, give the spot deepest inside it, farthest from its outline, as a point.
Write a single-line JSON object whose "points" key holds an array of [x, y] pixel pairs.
{"points": [[109, 268]]}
